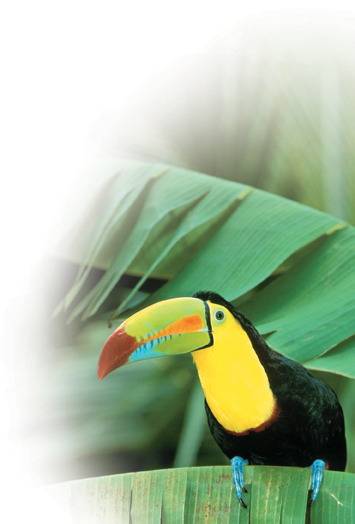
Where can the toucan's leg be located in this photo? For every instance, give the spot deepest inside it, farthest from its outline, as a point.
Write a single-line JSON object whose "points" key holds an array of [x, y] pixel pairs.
{"points": [[237, 470], [318, 467]]}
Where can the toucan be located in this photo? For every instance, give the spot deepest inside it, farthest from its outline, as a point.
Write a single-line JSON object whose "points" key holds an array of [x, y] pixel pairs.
{"points": [[262, 408]]}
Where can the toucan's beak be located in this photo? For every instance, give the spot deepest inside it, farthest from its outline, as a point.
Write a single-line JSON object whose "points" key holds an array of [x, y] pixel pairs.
{"points": [[171, 327]]}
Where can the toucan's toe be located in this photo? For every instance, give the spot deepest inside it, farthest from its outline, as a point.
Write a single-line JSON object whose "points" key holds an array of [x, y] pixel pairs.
{"points": [[237, 470], [318, 467]]}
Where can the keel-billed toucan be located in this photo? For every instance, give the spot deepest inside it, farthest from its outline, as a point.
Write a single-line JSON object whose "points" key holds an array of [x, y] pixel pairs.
{"points": [[262, 408]]}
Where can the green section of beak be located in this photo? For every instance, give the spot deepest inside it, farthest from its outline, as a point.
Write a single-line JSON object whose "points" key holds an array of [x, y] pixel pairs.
{"points": [[170, 327]]}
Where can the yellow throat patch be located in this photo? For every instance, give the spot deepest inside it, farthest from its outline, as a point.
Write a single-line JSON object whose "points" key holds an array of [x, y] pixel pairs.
{"points": [[234, 382]]}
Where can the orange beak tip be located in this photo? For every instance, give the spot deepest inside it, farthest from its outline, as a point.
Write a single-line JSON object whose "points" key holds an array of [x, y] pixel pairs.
{"points": [[115, 352]]}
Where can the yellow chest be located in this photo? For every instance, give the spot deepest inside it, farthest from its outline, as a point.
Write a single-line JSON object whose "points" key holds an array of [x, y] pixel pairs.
{"points": [[234, 382]]}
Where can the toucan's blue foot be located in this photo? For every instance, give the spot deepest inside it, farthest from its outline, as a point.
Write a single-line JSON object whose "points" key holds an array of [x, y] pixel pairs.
{"points": [[237, 470], [318, 467]]}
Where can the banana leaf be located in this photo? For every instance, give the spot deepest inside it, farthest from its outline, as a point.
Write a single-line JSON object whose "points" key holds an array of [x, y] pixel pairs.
{"points": [[206, 496]]}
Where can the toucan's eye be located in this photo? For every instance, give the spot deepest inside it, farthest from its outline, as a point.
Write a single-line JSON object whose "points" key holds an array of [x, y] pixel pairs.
{"points": [[219, 315]]}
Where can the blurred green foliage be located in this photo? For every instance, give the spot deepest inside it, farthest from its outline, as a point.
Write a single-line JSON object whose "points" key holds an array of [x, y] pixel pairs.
{"points": [[270, 103]]}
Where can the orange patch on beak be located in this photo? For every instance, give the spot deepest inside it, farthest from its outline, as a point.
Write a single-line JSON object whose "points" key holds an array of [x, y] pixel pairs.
{"points": [[183, 325]]}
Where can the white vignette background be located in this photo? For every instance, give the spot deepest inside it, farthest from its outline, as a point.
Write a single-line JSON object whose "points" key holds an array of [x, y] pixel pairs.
{"points": [[64, 65]]}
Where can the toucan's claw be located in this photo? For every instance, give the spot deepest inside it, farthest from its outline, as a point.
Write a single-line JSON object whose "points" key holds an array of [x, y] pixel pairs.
{"points": [[237, 471], [318, 467], [241, 502]]}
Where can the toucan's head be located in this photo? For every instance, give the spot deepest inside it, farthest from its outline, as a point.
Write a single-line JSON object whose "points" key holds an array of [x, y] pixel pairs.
{"points": [[225, 347], [171, 327]]}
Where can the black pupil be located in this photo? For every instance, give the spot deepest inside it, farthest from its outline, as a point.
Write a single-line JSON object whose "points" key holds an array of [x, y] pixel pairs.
{"points": [[219, 315]]}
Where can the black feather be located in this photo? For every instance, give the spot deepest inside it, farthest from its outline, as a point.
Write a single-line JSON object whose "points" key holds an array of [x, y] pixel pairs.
{"points": [[310, 420]]}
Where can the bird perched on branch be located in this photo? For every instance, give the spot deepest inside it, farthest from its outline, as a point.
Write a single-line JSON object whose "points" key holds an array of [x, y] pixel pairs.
{"points": [[262, 408]]}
